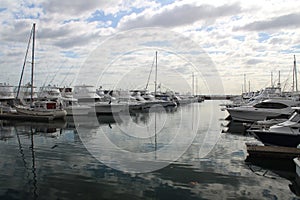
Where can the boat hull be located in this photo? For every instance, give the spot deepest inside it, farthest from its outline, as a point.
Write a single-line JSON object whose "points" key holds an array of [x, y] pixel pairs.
{"points": [[277, 139], [106, 108], [54, 114], [297, 163], [77, 110], [252, 115]]}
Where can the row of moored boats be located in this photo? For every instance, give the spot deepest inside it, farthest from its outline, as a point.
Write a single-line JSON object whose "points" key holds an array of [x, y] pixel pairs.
{"points": [[272, 117], [57, 102]]}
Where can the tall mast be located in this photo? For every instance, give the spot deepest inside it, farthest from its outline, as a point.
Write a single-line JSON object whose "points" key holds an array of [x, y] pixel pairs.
{"points": [[196, 86], [193, 83], [32, 64], [245, 90], [25, 59], [295, 73], [249, 87], [272, 79], [278, 84], [155, 83]]}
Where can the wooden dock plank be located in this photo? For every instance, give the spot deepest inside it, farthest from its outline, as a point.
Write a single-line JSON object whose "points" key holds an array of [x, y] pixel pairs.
{"points": [[272, 151], [13, 116]]}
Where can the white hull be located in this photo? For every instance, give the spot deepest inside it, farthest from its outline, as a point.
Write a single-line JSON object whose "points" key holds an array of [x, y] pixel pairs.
{"points": [[7, 109], [77, 110], [149, 104], [253, 115], [297, 163], [55, 114], [106, 108]]}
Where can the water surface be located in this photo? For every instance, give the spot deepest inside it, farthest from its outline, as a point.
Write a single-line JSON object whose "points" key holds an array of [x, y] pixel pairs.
{"points": [[51, 161]]}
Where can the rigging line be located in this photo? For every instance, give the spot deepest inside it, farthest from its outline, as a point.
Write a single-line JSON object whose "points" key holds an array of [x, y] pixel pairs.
{"points": [[287, 79], [25, 59], [66, 75], [150, 74], [55, 74]]}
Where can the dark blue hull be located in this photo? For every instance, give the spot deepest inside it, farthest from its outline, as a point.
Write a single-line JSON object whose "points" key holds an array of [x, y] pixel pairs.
{"points": [[278, 139]]}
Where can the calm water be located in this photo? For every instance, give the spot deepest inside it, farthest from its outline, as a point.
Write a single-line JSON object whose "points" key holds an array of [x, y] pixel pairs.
{"points": [[179, 154]]}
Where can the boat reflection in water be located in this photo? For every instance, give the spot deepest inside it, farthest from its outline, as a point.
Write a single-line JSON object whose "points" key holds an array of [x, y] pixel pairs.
{"points": [[273, 168], [50, 161]]}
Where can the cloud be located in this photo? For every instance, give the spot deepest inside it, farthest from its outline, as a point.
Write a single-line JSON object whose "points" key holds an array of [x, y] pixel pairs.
{"points": [[284, 21], [79, 40], [253, 61], [178, 15], [75, 7]]}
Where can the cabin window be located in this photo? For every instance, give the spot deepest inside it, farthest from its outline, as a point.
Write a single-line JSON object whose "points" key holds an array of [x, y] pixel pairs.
{"points": [[51, 105], [270, 105]]}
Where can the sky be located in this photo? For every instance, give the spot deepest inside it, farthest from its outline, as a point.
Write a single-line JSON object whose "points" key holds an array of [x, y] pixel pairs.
{"points": [[202, 46]]}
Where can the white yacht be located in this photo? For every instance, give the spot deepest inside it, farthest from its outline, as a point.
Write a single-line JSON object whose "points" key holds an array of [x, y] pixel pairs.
{"points": [[286, 133], [6, 98], [124, 97], [71, 104], [149, 100], [49, 92], [86, 95], [270, 108]]}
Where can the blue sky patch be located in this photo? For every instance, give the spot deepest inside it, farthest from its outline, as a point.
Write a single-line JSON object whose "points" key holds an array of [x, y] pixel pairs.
{"points": [[164, 3], [2, 9], [99, 15], [70, 20], [296, 46], [263, 37], [236, 18], [286, 51], [70, 54], [239, 38]]}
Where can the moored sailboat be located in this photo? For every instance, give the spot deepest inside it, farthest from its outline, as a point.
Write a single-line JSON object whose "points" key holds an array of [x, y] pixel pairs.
{"points": [[48, 109]]}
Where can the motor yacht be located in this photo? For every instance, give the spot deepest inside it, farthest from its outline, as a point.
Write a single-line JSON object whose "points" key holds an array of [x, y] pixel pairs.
{"points": [[286, 133], [269, 108]]}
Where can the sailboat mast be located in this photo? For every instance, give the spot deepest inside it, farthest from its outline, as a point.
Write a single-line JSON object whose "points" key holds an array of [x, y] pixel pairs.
{"points": [[279, 79], [25, 59], [32, 63], [155, 83], [193, 83], [245, 90], [272, 84], [295, 73]]}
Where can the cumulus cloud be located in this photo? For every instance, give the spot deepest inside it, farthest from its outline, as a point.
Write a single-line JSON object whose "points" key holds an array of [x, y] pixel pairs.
{"points": [[75, 7], [284, 21], [253, 61], [64, 26], [178, 15]]}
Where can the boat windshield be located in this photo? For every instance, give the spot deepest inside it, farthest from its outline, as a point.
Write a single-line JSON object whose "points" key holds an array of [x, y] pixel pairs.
{"points": [[295, 117], [271, 105]]}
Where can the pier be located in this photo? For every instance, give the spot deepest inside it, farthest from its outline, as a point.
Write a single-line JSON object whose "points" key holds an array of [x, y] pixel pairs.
{"points": [[217, 97], [255, 150], [15, 116]]}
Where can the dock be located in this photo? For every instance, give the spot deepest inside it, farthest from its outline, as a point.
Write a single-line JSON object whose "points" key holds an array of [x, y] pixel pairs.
{"points": [[278, 152], [15, 116]]}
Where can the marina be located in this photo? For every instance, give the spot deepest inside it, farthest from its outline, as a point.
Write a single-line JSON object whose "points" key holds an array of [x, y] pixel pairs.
{"points": [[149, 100], [48, 160]]}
